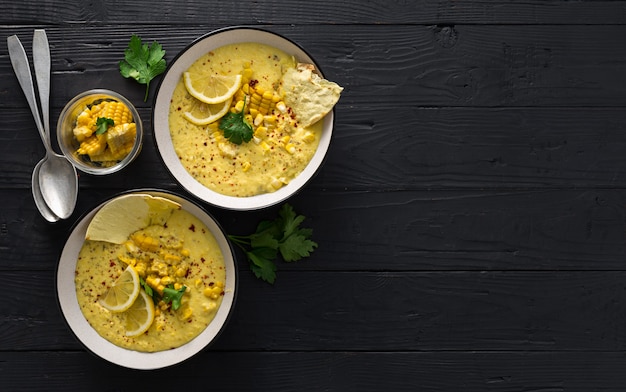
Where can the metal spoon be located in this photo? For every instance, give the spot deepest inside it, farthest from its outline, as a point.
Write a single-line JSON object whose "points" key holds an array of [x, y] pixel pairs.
{"points": [[57, 178]]}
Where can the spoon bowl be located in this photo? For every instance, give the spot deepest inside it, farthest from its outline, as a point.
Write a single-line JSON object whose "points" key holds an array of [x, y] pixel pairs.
{"points": [[43, 208], [58, 184]]}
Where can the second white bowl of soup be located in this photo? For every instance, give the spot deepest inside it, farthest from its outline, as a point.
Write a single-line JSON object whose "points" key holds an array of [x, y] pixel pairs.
{"points": [[243, 118], [146, 280]]}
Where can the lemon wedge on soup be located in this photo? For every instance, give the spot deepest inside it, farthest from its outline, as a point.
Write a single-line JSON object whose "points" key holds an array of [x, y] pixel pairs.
{"points": [[211, 89], [123, 293], [200, 113], [140, 315], [122, 216]]}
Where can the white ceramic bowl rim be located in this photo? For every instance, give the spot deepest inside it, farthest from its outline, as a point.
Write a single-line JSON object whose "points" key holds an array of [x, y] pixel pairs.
{"points": [[66, 295], [82, 166], [160, 114]]}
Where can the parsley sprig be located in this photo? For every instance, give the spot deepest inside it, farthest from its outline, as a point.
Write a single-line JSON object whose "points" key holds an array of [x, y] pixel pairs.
{"points": [[142, 62], [170, 294], [236, 128], [103, 124], [282, 236]]}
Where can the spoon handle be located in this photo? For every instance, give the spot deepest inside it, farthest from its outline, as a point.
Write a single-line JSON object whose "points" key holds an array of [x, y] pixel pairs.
{"points": [[19, 60], [41, 62]]}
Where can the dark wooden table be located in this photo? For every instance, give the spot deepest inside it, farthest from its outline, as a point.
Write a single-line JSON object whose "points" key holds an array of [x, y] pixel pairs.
{"points": [[471, 213]]}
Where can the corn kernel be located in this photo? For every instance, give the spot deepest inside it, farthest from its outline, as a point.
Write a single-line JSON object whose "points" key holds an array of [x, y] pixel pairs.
{"points": [[185, 252], [178, 286], [290, 148], [258, 119], [308, 137], [269, 121], [254, 112], [173, 259], [246, 166], [141, 269], [185, 314], [281, 107], [247, 74], [246, 88], [265, 146], [180, 272], [276, 183], [260, 132], [166, 280], [285, 139], [239, 106], [209, 306]]}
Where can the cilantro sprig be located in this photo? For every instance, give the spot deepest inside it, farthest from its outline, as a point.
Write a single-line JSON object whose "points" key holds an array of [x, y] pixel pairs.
{"points": [[170, 294], [142, 62], [103, 124], [174, 296], [282, 236], [236, 128]]}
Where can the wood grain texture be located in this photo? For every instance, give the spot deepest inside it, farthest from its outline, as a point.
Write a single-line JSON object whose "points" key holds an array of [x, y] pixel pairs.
{"points": [[320, 12], [412, 149], [376, 311], [471, 211], [334, 371], [393, 231], [488, 66]]}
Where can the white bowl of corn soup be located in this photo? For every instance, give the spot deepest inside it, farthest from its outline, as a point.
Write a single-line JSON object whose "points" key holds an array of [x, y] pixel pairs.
{"points": [[263, 171], [87, 269], [100, 131]]}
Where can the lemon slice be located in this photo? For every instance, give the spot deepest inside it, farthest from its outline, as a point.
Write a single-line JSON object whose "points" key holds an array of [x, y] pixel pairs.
{"points": [[201, 113], [211, 89], [140, 315], [123, 293], [122, 216]]}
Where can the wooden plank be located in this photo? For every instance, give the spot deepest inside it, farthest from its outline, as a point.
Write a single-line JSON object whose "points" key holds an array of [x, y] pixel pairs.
{"points": [[396, 148], [326, 371], [321, 12], [483, 66], [375, 311], [393, 231]]}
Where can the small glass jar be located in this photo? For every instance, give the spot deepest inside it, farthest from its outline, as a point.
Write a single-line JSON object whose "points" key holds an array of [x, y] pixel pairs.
{"points": [[69, 144]]}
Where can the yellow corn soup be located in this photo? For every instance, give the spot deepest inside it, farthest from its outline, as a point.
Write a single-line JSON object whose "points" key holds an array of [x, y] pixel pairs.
{"points": [[280, 149], [184, 251]]}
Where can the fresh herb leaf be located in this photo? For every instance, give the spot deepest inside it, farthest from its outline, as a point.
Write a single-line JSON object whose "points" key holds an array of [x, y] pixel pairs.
{"points": [[151, 292], [262, 264], [283, 236], [174, 296], [103, 124], [142, 62], [295, 247], [236, 128]]}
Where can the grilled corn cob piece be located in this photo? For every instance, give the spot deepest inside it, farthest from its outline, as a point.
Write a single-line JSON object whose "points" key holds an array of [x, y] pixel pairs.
{"points": [[116, 111], [116, 142], [121, 139], [93, 146]]}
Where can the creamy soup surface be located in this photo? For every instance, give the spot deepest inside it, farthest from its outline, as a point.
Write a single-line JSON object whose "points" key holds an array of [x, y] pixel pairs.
{"points": [[201, 266], [256, 167]]}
